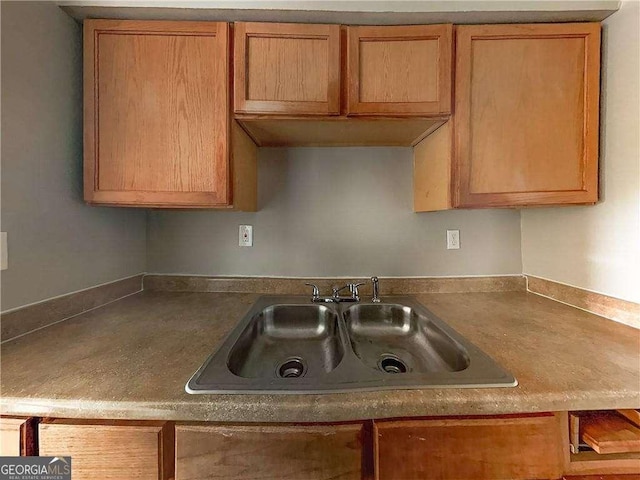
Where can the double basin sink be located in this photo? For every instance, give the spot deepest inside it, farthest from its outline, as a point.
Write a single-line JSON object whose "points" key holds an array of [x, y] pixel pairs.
{"points": [[290, 345]]}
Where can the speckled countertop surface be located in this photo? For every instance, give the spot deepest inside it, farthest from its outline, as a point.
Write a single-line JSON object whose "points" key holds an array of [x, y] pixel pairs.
{"points": [[131, 359]]}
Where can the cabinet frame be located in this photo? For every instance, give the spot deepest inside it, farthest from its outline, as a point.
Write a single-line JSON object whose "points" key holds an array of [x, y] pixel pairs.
{"points": [[465, 35], [92, 193], [245, 30], [442, 33]]}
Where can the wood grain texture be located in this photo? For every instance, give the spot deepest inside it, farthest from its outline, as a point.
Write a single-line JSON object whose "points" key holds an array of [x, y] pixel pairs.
{"points": [[111, 449], [614, 308], [592, 463], [296, 453], [432, 171], [244, 162], [514, 447], [17, 437], [633, 415], [336, 131], [283, 68], [156, 113], [601, 477], [608, 432], [527, 108], [400, 70]]}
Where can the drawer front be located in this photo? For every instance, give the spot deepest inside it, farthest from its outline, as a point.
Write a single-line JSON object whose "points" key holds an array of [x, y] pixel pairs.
{"points": [[295, 453], [115, 450], [479, 448]]}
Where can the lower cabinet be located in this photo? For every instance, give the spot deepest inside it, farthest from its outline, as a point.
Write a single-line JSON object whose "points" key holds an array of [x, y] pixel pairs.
{"points": [[508, 447], [282, 452], [17, 437], [514, 447], [111, 450]]}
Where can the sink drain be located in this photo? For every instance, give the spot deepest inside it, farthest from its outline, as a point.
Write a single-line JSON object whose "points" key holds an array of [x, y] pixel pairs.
{"points": [[391, 364], [291, 368]]}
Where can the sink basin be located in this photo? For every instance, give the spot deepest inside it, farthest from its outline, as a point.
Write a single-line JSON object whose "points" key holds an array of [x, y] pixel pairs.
{"points": [[395, 339], [288, 341], [286, 344]]}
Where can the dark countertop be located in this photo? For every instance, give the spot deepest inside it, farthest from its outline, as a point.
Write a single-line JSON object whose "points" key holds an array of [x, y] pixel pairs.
{"points": [[131, 359]]}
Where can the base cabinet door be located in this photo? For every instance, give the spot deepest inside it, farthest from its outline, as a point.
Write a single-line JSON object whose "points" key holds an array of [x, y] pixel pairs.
{"points": [[510, 447], [111, 450], [269, 452], [526, 114], [17, 437]]}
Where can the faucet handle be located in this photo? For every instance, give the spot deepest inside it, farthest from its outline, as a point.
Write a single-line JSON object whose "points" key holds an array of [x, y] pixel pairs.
{"points": [[315, 290], [353, 288]]}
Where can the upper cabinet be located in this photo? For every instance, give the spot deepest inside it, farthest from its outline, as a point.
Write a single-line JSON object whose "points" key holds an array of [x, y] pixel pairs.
{"points": [[399, 70], [526, 114], [285, 68], [156, 114]]}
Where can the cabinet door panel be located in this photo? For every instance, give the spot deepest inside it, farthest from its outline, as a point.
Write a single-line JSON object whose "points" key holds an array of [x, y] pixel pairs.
{"points": [[296, 453], [527, 99], [156, 113], [524, 447], [17, 437], [287, 68], [111, 450], [403, 70]]}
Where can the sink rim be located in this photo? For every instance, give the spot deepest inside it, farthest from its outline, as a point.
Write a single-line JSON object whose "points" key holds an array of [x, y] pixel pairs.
{"points": [[213, 377]]}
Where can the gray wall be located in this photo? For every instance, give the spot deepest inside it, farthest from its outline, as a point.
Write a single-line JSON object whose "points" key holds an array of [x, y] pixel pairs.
{"points": [[335, 212], [598, 248], [56, 243]]}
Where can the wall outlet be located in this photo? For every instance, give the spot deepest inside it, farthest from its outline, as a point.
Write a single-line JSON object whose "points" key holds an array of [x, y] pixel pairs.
{"points": [[245, 236], [4, 254], [453, 239]]}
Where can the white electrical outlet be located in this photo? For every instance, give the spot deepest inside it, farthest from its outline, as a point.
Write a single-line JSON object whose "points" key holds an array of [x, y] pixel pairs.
{"points": [[245, 236], [453, 239], [4, 254]]}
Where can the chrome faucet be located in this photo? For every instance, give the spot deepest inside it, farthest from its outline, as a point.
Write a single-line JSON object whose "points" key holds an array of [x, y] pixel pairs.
{"points": [[353, 290], [376, 292], [315, 295]]}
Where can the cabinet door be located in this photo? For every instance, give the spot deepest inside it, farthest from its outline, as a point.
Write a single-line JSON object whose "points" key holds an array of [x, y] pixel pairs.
{"points": [[111, 449], [156, 113], [403, 70], [526, 114], [287, 68], [513, 447], [17, 437], [278, 452]]}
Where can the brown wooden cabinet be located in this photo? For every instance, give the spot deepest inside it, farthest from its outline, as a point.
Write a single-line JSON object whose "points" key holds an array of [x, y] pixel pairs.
{"points": [[156, 114], [286, 68], [514, 447], [111, 449], [526, 114], [399, 70], [283, 452], [17, 437]]}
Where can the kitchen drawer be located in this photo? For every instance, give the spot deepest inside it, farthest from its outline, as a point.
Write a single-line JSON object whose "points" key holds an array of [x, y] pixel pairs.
{"points": [[513, 447], [278, 452], [111, 449]]}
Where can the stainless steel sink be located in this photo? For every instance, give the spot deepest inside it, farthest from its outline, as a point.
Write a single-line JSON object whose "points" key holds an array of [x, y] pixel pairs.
{"points": [[289, 345], [288, 341], [395, 339]]}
